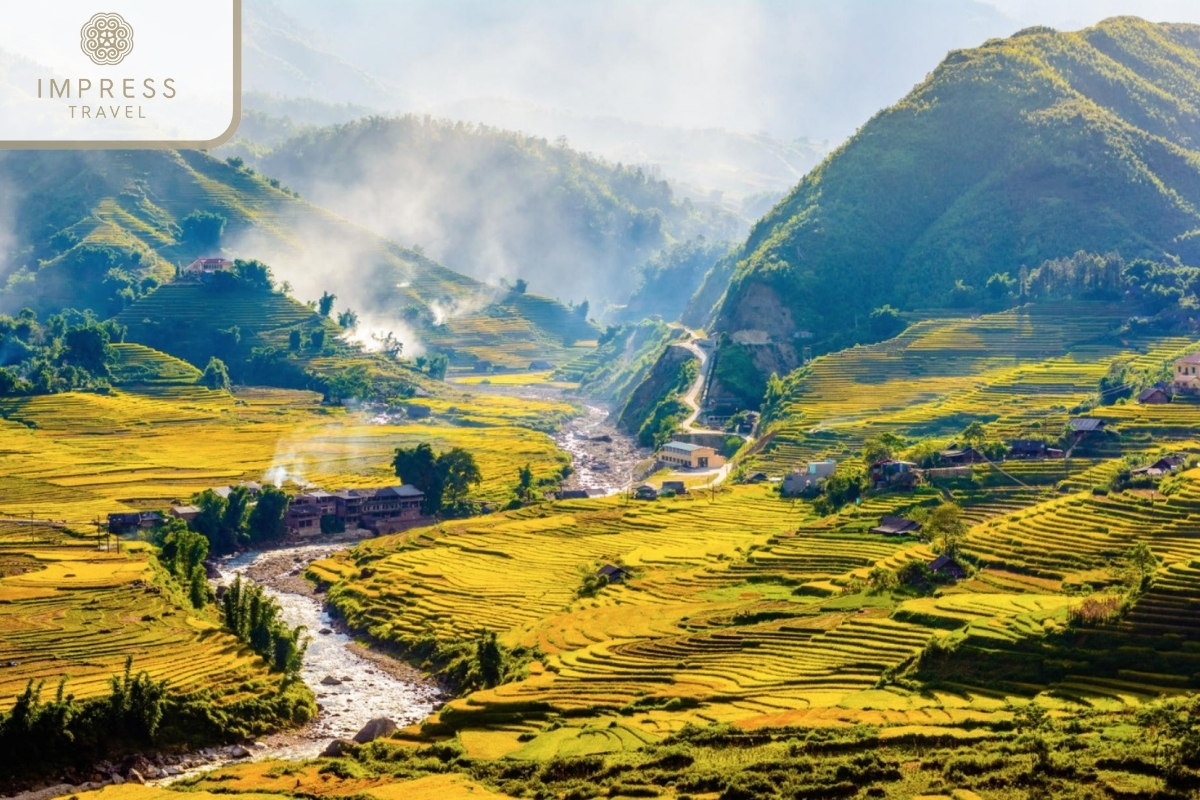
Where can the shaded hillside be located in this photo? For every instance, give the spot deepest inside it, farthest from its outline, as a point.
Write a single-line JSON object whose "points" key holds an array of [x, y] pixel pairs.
{"points": [[104, 230], [666, 281], [1014, 153], [495, 204], [611, 372], [513, 331], [85, 226]]}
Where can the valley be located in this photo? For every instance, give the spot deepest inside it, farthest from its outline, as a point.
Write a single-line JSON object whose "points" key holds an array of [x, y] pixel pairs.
{"points": [[891, 493]]}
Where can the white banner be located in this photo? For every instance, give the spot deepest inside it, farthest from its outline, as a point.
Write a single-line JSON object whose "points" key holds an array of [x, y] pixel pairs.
{"points": [[119, 73]]}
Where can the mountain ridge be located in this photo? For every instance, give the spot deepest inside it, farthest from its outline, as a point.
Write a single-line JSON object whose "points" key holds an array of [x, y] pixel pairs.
{"points": [[1019, 151]]}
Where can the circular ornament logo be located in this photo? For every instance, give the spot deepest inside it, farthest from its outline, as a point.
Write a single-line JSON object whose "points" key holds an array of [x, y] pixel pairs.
{"points": [[106, 39]]}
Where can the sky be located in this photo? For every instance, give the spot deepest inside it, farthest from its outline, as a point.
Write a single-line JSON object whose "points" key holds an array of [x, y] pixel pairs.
{"points": [[811, 69]]}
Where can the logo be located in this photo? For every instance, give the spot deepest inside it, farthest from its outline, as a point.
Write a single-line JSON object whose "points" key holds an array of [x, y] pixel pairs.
{"points": [[106, 39]]}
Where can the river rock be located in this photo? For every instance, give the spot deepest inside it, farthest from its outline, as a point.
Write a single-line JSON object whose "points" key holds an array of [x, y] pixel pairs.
{"points": [[237, 751], [375, 729], [336, 748], [329, 680], [325, 631], [135, 777]]}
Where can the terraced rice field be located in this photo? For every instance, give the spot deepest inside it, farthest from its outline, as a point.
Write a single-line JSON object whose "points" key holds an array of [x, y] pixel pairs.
{"points": [[71, 609], [1021, 372], [734, 613], [75, 456]]}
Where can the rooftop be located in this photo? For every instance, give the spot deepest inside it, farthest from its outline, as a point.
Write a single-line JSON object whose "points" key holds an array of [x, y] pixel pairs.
{"points": [[683, 446]]}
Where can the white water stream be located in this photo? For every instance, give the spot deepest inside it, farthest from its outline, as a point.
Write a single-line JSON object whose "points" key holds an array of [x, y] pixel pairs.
{"points": [[366, 690]]}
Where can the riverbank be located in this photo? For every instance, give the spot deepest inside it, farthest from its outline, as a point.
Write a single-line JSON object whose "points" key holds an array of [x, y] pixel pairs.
{"points": [[353, 684]]}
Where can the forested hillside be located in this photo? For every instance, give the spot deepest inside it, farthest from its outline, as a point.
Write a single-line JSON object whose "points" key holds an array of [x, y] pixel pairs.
{"points": [[495, 204], [1018, 152], [100, 229]]}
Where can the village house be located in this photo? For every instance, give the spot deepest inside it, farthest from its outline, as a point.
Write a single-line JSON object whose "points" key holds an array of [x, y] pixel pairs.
{"points": [[540, 365], [203, 269], [690, 456], [1163, 466], [946, 566], [678, 487], [1186, 373], [571, 494], [612, 573], [253, 486], [185, 513], [128, 522], [893, 473], [373, 509], [645, 492], [799, 481], [1032, 448], [960, 456], [890, 525], [1155, 395], [1085, 425]]}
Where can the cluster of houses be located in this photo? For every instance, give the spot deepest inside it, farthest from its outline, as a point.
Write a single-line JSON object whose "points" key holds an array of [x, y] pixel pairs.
{"points": [[382, 511], [1185, 379]]}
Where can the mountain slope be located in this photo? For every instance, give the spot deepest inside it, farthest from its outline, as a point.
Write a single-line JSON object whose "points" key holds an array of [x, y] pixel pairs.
{"points": [[495, 204], [1023, 150], [108, 231]]}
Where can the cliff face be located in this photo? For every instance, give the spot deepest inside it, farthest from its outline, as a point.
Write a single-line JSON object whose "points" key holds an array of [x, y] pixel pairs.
{"points": [[668, 376]]}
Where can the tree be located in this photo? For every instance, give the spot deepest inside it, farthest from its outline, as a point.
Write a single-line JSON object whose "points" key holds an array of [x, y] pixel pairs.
{"points": [[348, 320], [520, 286], [87, 347], [388, 344], [581, 310], [208, 521], [885, 322], [880, 448], [294, 339], [182, 554], [216, 376], [524, 488], [316, 339], [880, 580], [436, 366], [325, 304], [417, 466], [1142, 563], [1000, 286], [237, 510], [265, 522], [202, 229], [489, 659], [445, 479], [974, 434], [349, 384], [945, 523], [459, 473], [254, 273]]}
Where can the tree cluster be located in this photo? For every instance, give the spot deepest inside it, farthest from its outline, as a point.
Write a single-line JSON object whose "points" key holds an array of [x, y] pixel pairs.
{"points": [[70, 351], [254, 617], [445, 478], [35, 732], [237, 519]]}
